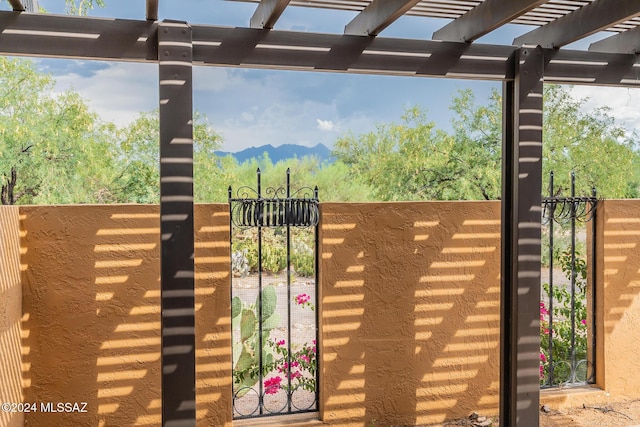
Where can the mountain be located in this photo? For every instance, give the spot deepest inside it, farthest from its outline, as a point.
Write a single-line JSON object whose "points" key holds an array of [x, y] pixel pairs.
{"points": [[281, 152]]}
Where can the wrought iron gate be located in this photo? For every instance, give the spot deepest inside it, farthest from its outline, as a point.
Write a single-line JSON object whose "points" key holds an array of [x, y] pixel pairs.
{"points": [[567, 318], [274, 258]]}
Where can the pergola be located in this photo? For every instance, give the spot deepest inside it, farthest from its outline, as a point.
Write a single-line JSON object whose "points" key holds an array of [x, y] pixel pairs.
{"points": [[522, 65]]}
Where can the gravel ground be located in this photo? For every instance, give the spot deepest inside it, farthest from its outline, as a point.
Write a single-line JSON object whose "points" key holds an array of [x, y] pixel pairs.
{"points": [[615, 414]]}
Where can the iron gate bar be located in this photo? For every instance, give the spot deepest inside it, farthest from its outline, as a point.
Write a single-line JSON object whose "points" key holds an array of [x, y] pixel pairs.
{"points": [[290, 396], [551, 220], [573, 277], [573, 209], [277, 212], [261, 344], [594, 288]]}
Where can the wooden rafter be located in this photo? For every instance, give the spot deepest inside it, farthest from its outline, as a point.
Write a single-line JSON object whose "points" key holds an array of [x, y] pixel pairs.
{"points": [[625, 42], [484, 18], [267, 13], [589, 19], [152, 10], [17, 5], [378, 16]]}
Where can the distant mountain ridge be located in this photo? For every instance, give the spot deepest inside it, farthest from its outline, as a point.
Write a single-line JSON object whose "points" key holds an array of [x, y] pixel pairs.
{"points": [[281, 152]]}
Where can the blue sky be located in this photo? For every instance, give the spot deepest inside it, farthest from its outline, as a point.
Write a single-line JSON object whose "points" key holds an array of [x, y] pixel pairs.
{"points": [[255, 107]]}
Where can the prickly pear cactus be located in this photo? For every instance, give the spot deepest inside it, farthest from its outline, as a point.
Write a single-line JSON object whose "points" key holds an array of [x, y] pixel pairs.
{"points": [[246, 351], [240, 263]]}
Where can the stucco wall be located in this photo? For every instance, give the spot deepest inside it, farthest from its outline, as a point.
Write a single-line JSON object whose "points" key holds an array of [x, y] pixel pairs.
{"points": [[410, 312], [10, 314], [92, 313], [618, 295]]}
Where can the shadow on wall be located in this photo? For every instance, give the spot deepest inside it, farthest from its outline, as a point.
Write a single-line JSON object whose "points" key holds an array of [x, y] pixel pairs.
{"points": [[410, 311], [92, 314], [618, 305], [10, 314], [213, 315]]}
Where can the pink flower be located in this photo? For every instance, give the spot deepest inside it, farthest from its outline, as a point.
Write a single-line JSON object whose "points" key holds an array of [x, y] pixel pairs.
{"points": [[272, 385], [280, 343], [543, 358], [305, 358], [583, 321], [295, 375], [302, 298], [546, 331], [286, 366], [541, 371], [543, 311]]}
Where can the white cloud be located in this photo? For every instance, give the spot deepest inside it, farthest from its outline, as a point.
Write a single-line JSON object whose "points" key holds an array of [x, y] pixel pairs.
{"points": [[118, 93], [325, 125], [624, 103]]}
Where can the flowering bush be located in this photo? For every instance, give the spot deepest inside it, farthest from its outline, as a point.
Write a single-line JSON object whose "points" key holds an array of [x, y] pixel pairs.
{"points": [[560, 332], [272, 385], [301, 370], [294, 366], [304, 300]]}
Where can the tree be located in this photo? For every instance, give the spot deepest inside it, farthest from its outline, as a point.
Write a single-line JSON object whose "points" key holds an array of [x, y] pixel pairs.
{"points": [[139, 176], [80, 7], [333, 179], [601, 153], [409, 161], [52, 148], [414, 160]]}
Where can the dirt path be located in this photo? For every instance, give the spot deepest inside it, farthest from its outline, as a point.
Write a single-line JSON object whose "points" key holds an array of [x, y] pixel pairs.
{"points": [[615, 414]]}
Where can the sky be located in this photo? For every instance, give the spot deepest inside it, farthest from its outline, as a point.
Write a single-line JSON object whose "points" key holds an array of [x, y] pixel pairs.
{"points": [[250, 107]]}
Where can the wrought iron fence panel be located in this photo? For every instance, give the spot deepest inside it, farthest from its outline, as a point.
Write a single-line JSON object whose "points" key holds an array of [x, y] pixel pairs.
{"points": [[567, 319], [274, 296]]}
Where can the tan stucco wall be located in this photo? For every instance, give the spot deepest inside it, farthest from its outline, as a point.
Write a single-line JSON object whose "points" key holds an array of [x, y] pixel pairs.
{"points": [[92, 313], [10, 315], [410, 312], [618, 295]]}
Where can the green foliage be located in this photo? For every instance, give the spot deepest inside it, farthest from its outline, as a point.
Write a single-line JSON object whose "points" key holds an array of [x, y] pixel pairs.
{"points": [[589, 143], [408, 161], [413, 160], [52, 148], [82, 7], [334, 180], [138, 145], [302, 254], [274, 251]]}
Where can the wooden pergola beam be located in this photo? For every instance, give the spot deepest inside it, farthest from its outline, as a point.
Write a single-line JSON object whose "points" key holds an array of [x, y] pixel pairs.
{"points": [[132, 40]]}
